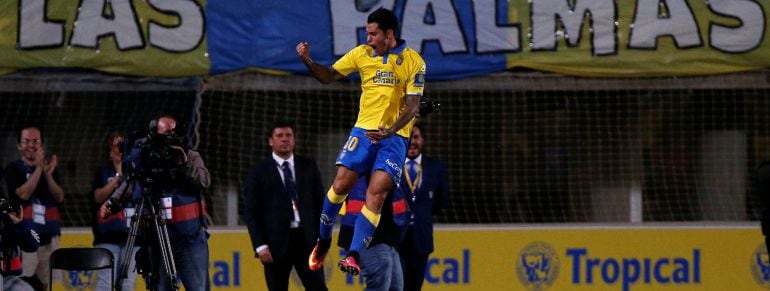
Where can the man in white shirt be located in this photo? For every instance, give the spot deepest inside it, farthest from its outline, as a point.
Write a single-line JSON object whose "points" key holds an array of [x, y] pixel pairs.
{"points": [[282, 200]]}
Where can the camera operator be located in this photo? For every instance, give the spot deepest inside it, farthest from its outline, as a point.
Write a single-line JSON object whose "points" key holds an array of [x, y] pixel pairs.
{"points": [[16, 235], [187, 226]]}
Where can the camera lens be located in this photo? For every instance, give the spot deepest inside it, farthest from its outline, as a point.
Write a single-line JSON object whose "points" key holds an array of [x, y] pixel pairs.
{"points": [[428, 105]]}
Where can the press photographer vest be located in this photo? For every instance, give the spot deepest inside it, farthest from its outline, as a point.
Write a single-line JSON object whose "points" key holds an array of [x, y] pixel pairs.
{"points": [[187, 211], [113, 228], [10, 251], [41, 210], [356, 201], [11, 261], [387, 232]]}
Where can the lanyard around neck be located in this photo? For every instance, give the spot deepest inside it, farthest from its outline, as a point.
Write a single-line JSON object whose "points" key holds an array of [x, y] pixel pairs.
{"points": [[413, 184]]}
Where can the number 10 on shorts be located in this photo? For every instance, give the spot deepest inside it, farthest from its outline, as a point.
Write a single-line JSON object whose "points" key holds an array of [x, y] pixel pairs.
{"points": [[351, 144]]}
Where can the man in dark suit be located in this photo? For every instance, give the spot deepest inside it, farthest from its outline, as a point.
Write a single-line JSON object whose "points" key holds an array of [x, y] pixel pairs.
{"points": [[424, 183], [281, 214]]}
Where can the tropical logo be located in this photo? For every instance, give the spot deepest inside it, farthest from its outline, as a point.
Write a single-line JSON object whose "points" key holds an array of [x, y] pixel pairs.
{"points": [[537, 266], [760, 266], [79, 280]]}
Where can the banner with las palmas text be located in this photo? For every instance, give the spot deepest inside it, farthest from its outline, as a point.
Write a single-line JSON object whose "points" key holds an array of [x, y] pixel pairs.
{"points": [[457, 38], [519, 258]]}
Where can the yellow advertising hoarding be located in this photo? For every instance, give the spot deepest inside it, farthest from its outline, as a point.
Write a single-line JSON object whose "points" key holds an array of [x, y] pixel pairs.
{"points": [[558, 258]]}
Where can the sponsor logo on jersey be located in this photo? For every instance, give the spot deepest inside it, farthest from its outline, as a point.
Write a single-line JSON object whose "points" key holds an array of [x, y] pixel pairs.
{"points": [[394, 166], [385, 78]]}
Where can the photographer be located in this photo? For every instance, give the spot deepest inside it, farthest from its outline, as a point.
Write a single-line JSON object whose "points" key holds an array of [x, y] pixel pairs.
{"points": [[33, 182], [111, 230], [16, 235], [187, 226]]}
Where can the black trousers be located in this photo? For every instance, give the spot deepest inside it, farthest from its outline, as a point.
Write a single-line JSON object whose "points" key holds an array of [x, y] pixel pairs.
{"points": [[413, 266], [277, 273]]}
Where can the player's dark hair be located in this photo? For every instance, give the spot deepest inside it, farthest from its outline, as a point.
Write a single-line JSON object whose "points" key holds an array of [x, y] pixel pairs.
{"points": [[280, 124], [18, 137], [385, 20]]}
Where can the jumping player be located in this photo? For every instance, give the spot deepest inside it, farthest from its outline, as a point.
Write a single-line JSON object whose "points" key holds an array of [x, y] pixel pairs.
{"points": [[392, 81]]}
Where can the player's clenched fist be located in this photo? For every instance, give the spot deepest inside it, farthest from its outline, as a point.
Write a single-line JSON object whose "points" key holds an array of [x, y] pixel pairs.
{"points": [[303, 50]]}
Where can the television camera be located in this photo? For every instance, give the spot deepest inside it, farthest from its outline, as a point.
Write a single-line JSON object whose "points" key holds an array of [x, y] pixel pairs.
{"points": [[153, 163], [8, 206], [428, 106]]}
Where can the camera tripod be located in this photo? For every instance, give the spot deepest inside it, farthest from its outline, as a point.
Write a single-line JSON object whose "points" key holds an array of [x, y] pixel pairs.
{"points": [[158, 224]]}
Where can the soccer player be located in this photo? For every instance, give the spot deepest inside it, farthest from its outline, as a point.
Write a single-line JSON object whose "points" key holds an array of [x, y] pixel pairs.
{"points": [[392, 80]]}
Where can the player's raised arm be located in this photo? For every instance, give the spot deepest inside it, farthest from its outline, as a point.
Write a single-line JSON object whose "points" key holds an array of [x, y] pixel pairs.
{"points": [[323, 74]]}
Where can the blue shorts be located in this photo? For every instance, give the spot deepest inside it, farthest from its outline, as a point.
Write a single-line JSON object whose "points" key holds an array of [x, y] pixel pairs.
{"points": [[364, 157]]}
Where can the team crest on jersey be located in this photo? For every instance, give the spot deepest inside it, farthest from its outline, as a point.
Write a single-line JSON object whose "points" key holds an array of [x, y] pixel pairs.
{"points": [[760, 266], [538, 266], [419, 78]]}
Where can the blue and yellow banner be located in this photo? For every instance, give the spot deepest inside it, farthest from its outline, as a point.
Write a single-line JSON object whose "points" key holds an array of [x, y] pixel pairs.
{"points": [[146, 38], [553, 258], [457, 38]]}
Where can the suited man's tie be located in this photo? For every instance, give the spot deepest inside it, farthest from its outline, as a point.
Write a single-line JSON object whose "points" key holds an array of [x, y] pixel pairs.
{"points": [[291, 188], [412, 180]]}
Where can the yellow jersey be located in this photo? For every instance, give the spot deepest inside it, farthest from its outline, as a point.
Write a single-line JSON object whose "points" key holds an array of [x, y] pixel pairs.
{"points": [[385, 82]]}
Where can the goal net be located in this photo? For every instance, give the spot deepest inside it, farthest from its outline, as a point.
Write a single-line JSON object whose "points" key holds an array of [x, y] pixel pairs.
{"points": [[521, 147]]}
